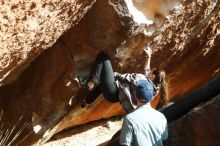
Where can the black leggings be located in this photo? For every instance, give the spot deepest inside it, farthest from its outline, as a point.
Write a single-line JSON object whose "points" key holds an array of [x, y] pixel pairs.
{"points": [[102, 74]]}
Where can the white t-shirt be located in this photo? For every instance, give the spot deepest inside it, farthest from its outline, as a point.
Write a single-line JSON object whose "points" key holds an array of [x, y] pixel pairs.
{"points": [[144, 127]]}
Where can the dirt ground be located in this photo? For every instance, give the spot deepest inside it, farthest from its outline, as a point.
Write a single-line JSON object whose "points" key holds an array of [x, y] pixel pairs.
{"points": [[92, 134]]}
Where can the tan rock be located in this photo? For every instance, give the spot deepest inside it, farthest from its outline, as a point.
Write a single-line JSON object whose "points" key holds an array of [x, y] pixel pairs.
{"points": [[29, 27], [42, 91]]}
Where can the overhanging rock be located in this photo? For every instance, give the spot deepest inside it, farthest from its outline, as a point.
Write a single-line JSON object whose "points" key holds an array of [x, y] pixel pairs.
{"points": [[43, 90]]}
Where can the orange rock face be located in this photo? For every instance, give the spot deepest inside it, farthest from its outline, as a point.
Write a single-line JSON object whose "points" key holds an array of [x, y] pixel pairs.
{"points": [[27, 28], [186, 46]]}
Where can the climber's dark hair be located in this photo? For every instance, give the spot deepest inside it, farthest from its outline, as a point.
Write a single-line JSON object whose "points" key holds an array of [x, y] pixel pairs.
{"points": [[160, 81]]}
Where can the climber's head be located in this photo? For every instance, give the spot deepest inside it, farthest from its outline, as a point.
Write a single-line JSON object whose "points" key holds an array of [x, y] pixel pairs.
{"points": [[158, 78]]}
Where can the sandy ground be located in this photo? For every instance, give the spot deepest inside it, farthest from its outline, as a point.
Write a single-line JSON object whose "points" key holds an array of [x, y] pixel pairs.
{"points": [[92, 134]]}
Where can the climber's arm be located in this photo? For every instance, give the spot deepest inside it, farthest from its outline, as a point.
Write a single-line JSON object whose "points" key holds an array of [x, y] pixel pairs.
{"points": [[147, 57], [119, 75]]}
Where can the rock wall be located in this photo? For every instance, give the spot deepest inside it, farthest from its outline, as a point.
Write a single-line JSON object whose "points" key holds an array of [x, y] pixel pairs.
{"points": [[198, 128], [29, 27], [180, 61], [190, 43], [42, 92], [186, 47]]}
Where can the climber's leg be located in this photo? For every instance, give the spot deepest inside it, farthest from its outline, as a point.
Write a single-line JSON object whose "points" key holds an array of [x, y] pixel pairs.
{"points": [[102, 74]]}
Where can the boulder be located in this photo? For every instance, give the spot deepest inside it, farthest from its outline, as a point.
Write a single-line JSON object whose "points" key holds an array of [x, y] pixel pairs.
{"points": [[37, 78], [30, 27], [200, 127]]}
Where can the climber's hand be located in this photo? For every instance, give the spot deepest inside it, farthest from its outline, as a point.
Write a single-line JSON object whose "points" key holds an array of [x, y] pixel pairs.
{"points": [[147, 52]]}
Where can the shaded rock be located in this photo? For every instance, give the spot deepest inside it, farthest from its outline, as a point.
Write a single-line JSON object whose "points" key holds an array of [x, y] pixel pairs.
{"points": [[206, 92], [201, 127]]}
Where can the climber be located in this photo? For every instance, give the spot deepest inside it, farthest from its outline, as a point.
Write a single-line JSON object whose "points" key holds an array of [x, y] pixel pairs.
{"points": [[123, 87]]}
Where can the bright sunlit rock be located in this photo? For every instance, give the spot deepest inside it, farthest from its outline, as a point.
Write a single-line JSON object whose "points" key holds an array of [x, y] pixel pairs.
{"points": [[138, 16], [37, 128]]}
